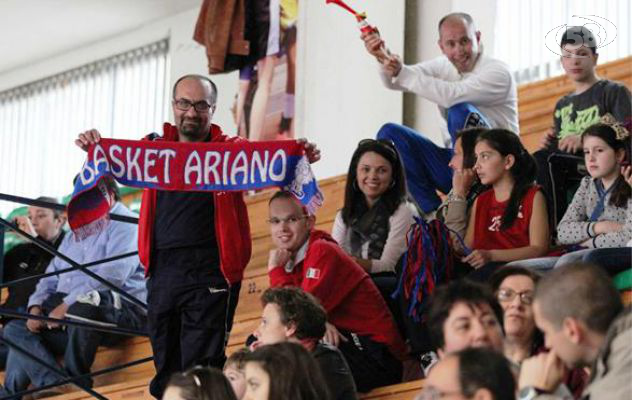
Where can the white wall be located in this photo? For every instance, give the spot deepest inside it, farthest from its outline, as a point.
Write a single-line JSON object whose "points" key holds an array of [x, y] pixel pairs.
{"points": [[343, 100], [186, 57], [340, 98]]}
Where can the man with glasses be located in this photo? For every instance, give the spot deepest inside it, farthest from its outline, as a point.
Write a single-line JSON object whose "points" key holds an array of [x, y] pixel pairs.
{"points": [[359, 321], [194, 246]]}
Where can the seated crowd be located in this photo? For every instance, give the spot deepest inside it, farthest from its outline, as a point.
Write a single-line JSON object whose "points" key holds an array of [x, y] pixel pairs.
{"points": [[493, 300]]}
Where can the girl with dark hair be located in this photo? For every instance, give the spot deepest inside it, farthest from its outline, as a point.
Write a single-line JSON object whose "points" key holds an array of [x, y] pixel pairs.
{"points": [[509, 221], [599, 214], [283, 371], [199, 383], [372, 225]]}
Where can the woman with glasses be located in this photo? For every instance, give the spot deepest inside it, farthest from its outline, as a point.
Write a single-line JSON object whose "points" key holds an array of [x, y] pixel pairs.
{"points": [[199, 383], [372, 225], [514, 288]]}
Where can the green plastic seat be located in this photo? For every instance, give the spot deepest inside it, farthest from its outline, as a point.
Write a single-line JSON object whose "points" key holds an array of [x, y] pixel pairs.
{"points": [[623, 280]]}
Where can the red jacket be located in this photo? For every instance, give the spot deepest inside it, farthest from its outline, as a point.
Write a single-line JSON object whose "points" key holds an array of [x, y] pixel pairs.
{"points": [[232, 228], [346, 291]]}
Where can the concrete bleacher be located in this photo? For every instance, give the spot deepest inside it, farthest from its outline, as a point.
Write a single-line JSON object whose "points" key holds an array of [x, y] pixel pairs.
{"points": [[536, 103]]}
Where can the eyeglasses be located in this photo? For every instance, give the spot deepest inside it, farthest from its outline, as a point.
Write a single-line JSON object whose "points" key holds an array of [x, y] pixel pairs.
{"points": [[432, 393], [290, 220], [185, 105], [507, 295]]}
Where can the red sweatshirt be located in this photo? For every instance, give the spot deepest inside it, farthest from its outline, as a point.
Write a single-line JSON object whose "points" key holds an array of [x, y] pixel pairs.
{"points": [[232, 228], [346, 291]]}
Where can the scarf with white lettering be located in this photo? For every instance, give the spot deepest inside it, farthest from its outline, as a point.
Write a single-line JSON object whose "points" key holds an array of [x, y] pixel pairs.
{"points": [[167, 165]]}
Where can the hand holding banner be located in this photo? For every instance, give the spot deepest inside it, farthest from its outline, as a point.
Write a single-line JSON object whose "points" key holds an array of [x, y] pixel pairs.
{"points": [[167, 165]]}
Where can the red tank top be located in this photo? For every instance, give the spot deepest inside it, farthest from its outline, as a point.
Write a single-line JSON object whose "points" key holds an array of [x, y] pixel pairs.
{"points": [[489, 212]]}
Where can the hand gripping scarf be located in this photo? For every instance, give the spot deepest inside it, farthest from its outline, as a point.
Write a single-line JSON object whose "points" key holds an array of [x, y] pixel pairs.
{"points": [[181, 166]]}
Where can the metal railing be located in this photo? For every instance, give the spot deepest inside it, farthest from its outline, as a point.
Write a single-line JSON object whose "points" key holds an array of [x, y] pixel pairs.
{"points": [[64, 378]]}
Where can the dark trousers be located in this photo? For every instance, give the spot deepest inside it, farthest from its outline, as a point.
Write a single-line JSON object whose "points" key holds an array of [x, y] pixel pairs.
{"points": [[613, 260], [372, 364], [558, 173], [190, 314], [77, 345]]}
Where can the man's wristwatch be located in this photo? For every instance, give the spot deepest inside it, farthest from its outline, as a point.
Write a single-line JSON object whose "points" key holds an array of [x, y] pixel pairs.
{"points": [[530, 393]]}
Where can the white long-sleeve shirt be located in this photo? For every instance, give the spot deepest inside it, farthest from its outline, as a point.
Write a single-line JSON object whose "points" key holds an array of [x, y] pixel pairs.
{"points": [[395, 245], [489, 86]]}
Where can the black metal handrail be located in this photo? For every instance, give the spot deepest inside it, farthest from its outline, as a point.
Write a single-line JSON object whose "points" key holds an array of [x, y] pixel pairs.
{"points": [[70, 380], [51, 368], [84, 325], [51, 250]]}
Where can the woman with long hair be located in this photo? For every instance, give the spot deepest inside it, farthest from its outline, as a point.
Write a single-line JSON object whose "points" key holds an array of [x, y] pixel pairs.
{"points": [[372, 224], [283, 371], [509, 221], [599, 214]]}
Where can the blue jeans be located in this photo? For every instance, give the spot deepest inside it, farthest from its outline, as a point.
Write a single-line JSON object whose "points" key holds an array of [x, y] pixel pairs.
{"points": [[613, 260], [425, 163], [78, 345]]}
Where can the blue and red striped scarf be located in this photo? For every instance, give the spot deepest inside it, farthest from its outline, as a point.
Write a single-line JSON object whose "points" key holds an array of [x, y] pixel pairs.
{"points": [[167, 165]]}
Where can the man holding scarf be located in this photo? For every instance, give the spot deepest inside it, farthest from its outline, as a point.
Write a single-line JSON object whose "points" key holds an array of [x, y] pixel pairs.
{"points": [[194, 246]]}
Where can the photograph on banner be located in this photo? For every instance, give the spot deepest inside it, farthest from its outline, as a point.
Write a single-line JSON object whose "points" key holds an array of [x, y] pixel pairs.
{"points": [[264, 103]]}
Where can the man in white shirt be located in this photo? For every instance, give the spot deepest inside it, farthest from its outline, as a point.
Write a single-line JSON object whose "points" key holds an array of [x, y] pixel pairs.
{"points": [[470, 89]]}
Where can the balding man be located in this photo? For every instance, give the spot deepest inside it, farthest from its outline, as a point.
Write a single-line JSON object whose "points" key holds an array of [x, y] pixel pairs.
{"points": [[194, 246], [470, 89]]}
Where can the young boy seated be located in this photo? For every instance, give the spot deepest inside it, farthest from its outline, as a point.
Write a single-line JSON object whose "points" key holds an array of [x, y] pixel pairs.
{"points": [[360, 323], [591, 98], [292, 315]]}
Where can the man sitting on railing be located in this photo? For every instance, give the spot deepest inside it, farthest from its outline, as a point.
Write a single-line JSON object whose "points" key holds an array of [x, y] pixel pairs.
{"points": [[28, 259], [78, 297]]}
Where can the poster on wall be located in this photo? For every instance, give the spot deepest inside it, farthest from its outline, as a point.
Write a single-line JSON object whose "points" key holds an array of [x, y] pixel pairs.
{"points": [[258, 39], [264, 102]]}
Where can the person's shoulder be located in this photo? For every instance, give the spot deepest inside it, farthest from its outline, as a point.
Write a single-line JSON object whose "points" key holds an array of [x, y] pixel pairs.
{"points": [[405, 209], [609, 85], [20, 249], [121, 209], [486, 62], [323, 244], [119, 226], [325, 353]]}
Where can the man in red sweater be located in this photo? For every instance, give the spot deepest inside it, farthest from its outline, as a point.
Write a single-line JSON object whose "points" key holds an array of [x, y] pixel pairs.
{"points": [[194, 246], [359, 321]]}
